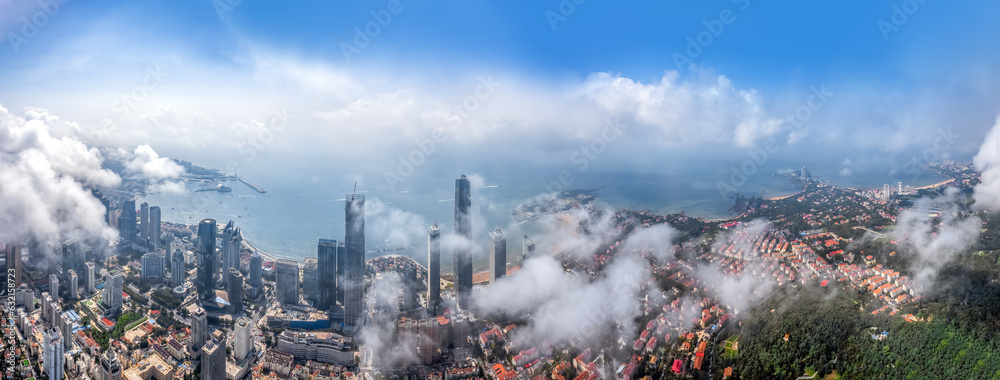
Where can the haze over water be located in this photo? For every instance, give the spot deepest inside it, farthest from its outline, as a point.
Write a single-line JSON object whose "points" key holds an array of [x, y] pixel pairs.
{"points": [[296, 211]]}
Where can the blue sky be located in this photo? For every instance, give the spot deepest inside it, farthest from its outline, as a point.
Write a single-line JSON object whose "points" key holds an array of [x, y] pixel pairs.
{"points": [[935, 70]]}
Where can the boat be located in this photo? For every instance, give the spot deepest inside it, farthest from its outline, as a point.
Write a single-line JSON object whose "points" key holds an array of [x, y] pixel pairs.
{"points": [[225, 189]]}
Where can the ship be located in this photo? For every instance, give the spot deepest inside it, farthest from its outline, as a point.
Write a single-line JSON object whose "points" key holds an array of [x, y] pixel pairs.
{"points": [[225, 189]]}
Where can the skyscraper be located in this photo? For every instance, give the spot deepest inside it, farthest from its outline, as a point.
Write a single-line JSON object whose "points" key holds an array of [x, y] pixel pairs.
{"points": [[199, 328], [326, 257], [144, 223], [286, 281], [235, 290], [207, 267], [354, 273], [498, 255], [111, 367], [90, 279], [231, 243], [74, 283], [256, 277], [177, 269], [463, 228], [113, 292], [341, 265], [433, 269], [213, 360], [243, 336], [127, 225], [310, 279], [153, 266], [54, 287], [154, 228], [13, 252], [527, 248], [52, 349]]}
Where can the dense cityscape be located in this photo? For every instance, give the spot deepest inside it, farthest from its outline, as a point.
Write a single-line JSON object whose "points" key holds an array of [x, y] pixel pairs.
{"points": [[177, 301], [499, 190]]}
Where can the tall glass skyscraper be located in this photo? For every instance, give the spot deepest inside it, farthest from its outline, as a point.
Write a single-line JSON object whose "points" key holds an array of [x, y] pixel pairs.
{"points": [[327, 267], [463, 228], [144, 223], [498, 255], [354, 271], [128, 227], [207, 267], [433, 269], [154, 228]]}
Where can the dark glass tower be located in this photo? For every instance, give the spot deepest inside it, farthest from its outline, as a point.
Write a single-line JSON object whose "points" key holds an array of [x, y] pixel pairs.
{"points": [[155, 228], [129, 233], [463, 228], [207, 265], [433, 269], [354, 270], [327, 268], [144, 223], [498, 255]]}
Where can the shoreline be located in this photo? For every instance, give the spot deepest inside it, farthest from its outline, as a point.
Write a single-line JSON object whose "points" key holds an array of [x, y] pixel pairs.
{"points": [[942, 183]]}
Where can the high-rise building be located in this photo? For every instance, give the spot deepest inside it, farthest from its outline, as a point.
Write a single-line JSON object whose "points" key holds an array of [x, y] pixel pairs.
{"points": [[243, 336], [199, 328], [54, 286], [111, 367], [433, 269], [154, 228], [144, 223], [410, 285], [231, 243], [527, 248], [286, 281], [899, 189], [326, 257], [207, 265], [177, 268], [213, 360], [310, 279], [256, 277], [13, 252], [128, 222], [154, 266], [52, 351], [113, 292], [90, 279], [341, 265], [498, 255], [74, 283], [463, 253], [235, 290], [73, 255], [354, 273]]}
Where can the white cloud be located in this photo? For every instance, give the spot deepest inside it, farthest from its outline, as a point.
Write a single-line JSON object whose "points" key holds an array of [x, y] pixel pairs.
{"points": [[147, 162]]}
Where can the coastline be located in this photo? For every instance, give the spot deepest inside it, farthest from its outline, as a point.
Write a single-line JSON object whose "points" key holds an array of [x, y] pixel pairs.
{"points": [[942, 183]]}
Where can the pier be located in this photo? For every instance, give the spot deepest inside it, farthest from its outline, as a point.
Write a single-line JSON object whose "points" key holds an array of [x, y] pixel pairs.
{"points": [[251, 185]]}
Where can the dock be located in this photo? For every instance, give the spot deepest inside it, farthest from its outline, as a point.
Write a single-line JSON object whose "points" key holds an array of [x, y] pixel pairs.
{"points": [[251, 185]]}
